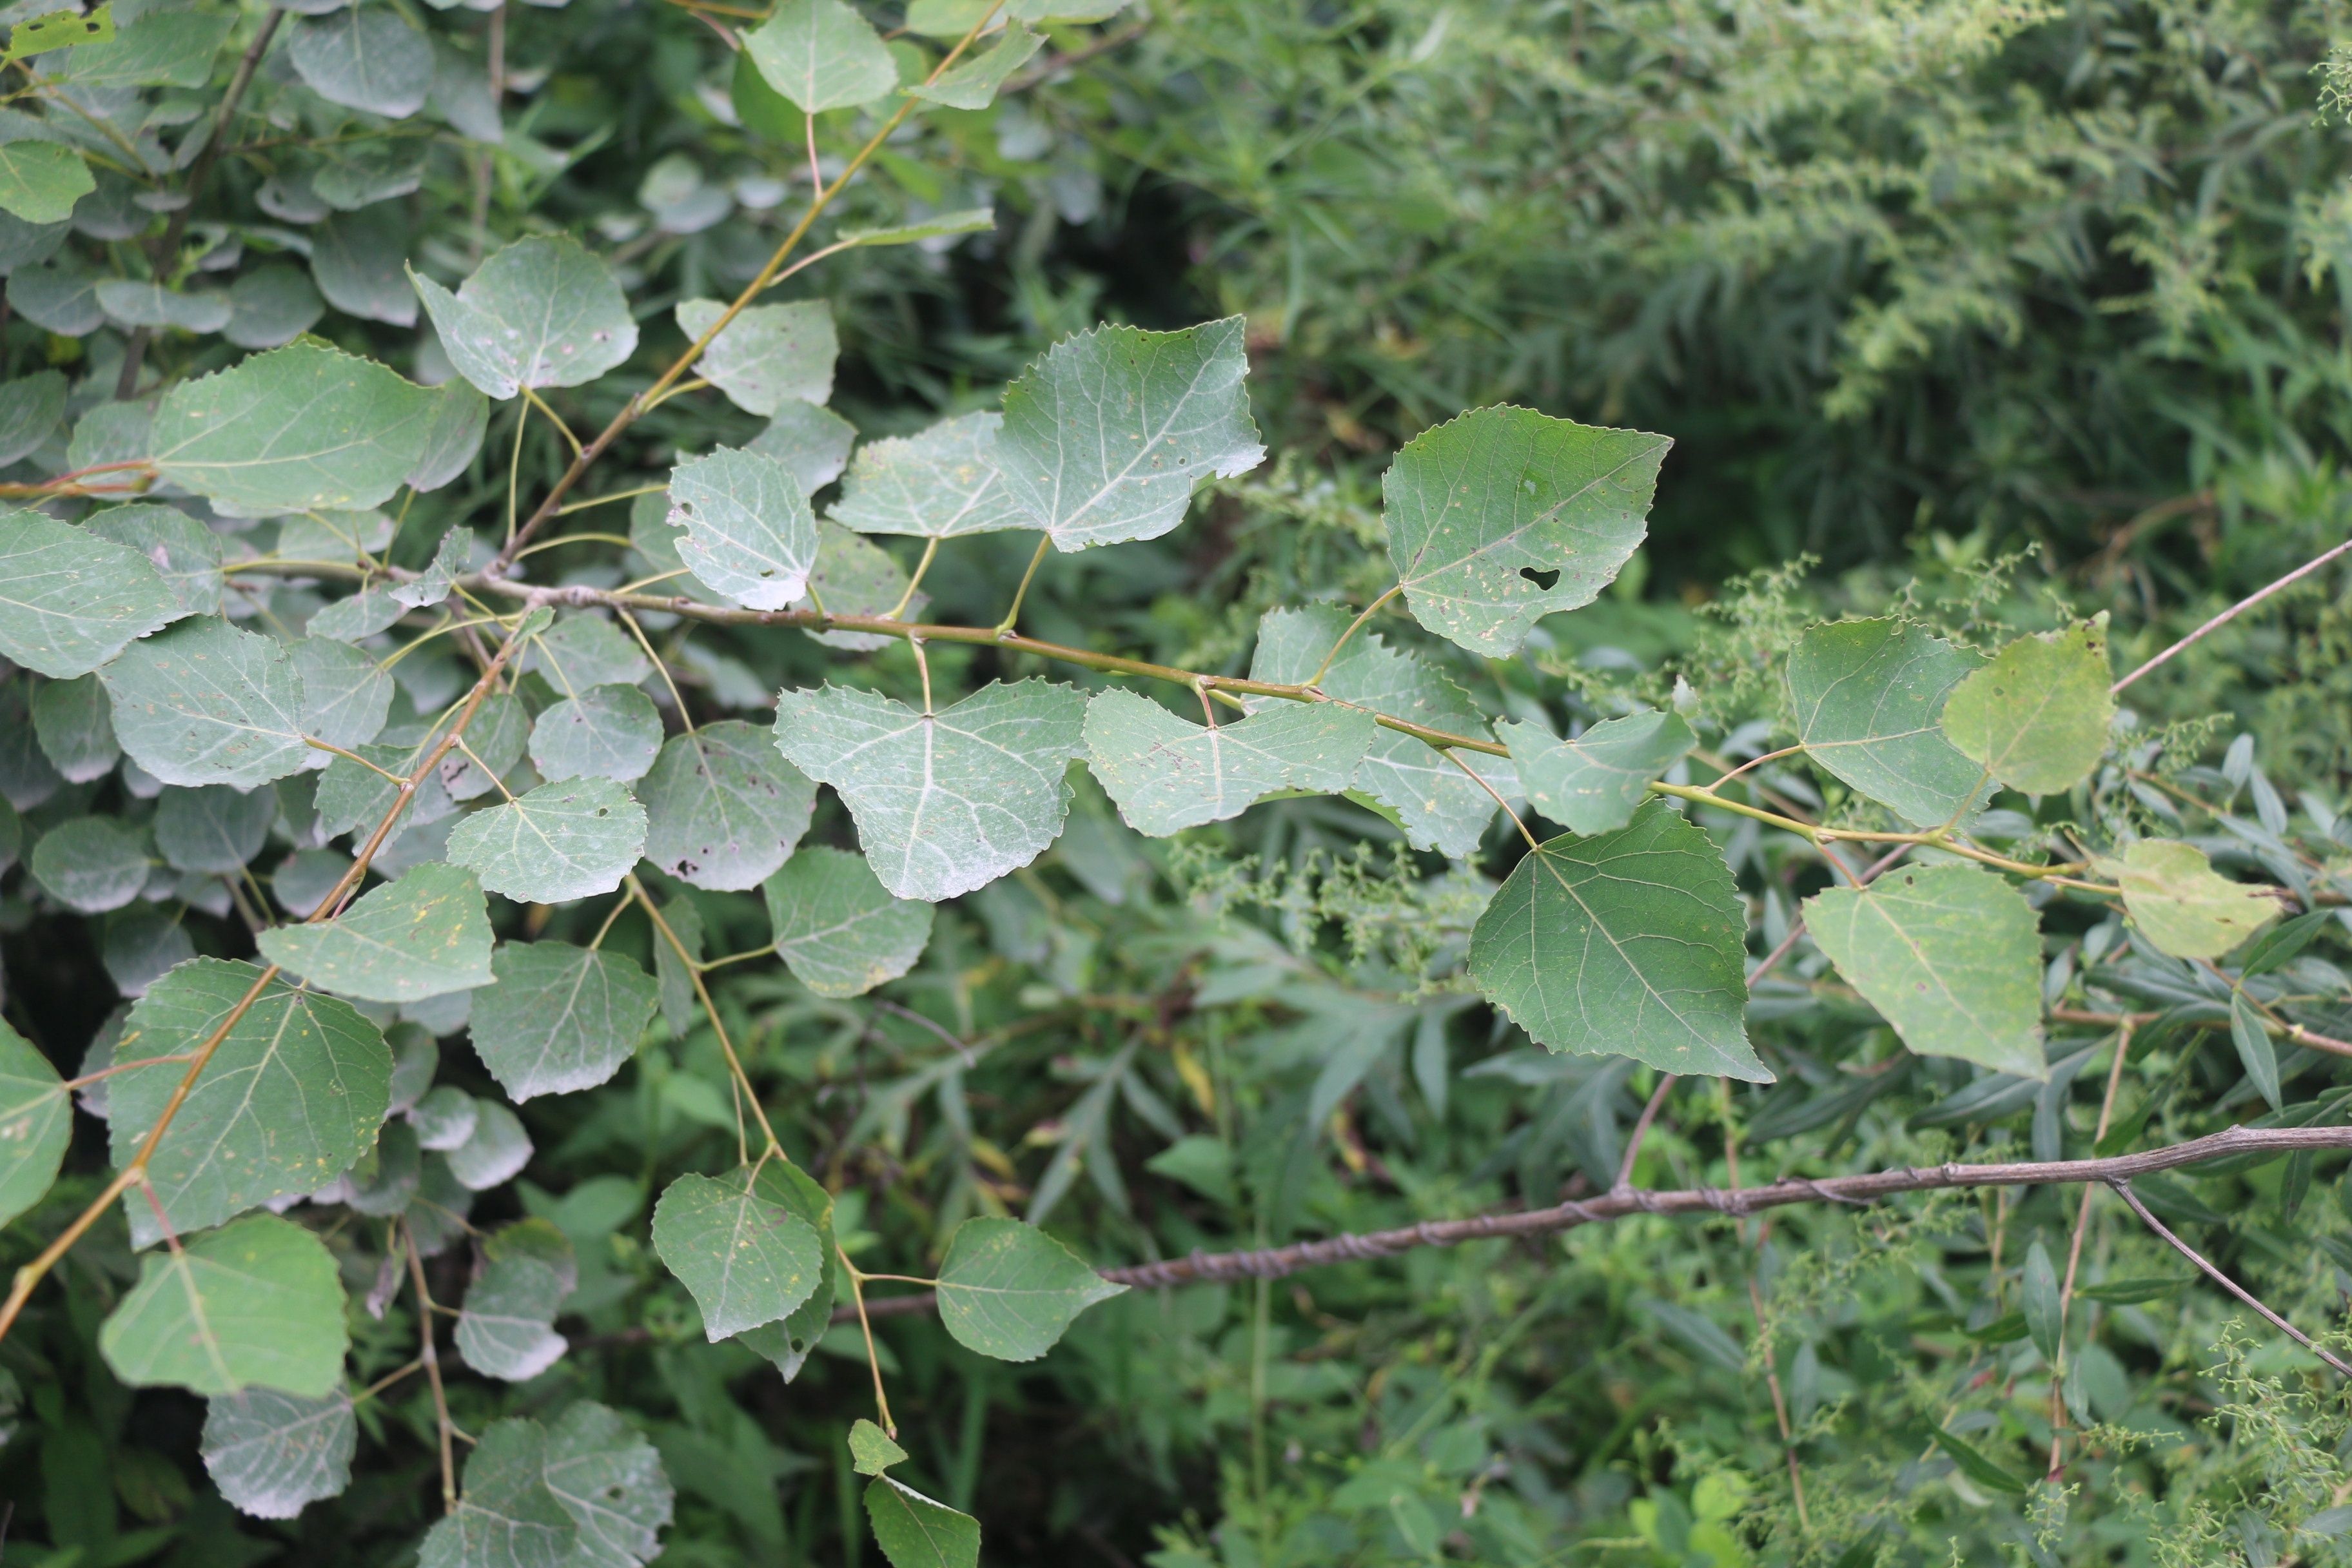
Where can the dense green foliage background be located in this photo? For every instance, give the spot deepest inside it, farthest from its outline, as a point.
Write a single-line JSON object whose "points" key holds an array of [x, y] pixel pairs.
{"points": [[1993, 310]]}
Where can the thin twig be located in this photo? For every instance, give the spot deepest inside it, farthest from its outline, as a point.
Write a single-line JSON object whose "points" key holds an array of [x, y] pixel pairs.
{"points": [[1625, 1183], [2074, 1252], [431, 1357], [2232, 613], [2122, 1190]]}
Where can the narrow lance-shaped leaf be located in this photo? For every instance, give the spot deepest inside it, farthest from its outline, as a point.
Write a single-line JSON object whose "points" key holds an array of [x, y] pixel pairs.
{"points": [[1106, 437], [254, 1304], [2252, 1039], [944, 803], [838, 928], [2037, 716], [1167, 775], [425, 935], [1950, 955], [1869, 697], [1009, 1290], [70, 601], [558, 1018], [1594, 783], [1502, 516], [541, 312], [1629, 944]]}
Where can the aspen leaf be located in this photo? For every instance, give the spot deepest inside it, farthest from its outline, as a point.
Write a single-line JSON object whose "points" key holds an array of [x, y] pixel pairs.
{"points": [[749, 531], [2181, 904], [561, 841], [607, 732], [1167, 775], [1594, 783], [253, 1304], [1009, 1290], [302, 427], [35, 1124], [2037, 716], [207, 703], [746, 1261], [768, 355], [940, 484], [71, 600], [1868, 698], [271, 1453], [541, 312], [838, 928], [558, 1018], [916, 1533], [723, 809], [424, 935], [821, 55]]}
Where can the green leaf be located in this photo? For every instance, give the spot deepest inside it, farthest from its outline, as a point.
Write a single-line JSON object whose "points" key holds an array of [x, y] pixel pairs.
{"points": [[507, 1329], [346, 695], [1502, 516], [671, 975], [1950, 955], [973, 83], [1593, 783], [35, 1124], [749, 531], [162, 48], [856, 576], [494, 1151], [1976, 1466], [1440, 807], [971, 220], [291, 1098], [31, 409], [561, 841], [1868, 697], [838, 928], [494, 742], [723, 809], [357, 260], [1009, 1290], [871, 1452], [2039, 1287], [69, 600], [212, 831], [298, 427], [558, 1018], [364, 56], [1629, 943], [2037, 716], [75, 726], [541, 312], [425, 935], [40, 182], [184, 551], [269, 307], [942, 483], [607, 732], [609, 1479], [821, 55], [916, 1533], [270, 1454], [581, 651], [768, 355], [812, 443], [1167, 775], [508, 1518], [206, 704], [2180, 904], [432, 585], [359, 616], [135, 304], [789, 1342], [746, 1261], [92, 864], [256, 1303], [2252, 1038], [59, 30], [944, 803], [1106, 437], [2278, 947], [459, 418]]}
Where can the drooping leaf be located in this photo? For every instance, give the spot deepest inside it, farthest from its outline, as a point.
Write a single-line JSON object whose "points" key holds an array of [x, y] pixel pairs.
{"points": [[1950, 955], [75, 726], [973, 83], [1167, 775], [70, 601], [1440, 805], [271, 1453], [358, 262], [746, 1260], [940, 484], [302, 427], [41, 182], [768, 355], [558, 1018], [543, 311], [723, 809], [749, 531], [821, 55], [1009, 1290], [871, 1452], [1629, 944], [1105, 438], [291, 1096], [2181, 904], [507, 1328], [364, 56], [494, 1152], [607, 732], [92, 864], [2037, 716], [971, 220], [253, 1304], [1593, 783], [212, 831], [2044, 1318], [1868, 698], [561, 841], [789, 1342], [838, 928], [916, 1533], [35, 1124], [944, 803], [424, 935], [207, 703], [1503, 516], [184, 551]]}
